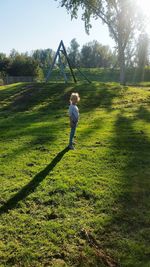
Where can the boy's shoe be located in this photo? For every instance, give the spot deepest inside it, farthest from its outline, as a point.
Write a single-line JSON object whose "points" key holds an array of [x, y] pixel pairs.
{"points": [[71, 147]]}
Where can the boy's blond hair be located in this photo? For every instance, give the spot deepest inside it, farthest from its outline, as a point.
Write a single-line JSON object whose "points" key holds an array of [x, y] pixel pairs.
{"points": [[75, 97]]}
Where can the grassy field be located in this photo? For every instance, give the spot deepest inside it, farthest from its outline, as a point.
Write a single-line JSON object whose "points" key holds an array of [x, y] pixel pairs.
{"points": [[84, 208]]}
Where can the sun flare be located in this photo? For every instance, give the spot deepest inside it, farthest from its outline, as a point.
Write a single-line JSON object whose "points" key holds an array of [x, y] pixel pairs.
{"points": [[144, 6]]}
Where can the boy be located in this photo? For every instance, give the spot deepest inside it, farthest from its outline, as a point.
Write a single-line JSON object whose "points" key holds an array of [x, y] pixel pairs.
{"points": [[74, 117]]}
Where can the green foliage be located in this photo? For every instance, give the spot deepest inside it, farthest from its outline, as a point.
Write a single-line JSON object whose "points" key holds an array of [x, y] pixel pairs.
{"points": [[87, 207], [73, 53], [121, 17], [4, 64], [43, 57], [23, 66], [95, 55]]}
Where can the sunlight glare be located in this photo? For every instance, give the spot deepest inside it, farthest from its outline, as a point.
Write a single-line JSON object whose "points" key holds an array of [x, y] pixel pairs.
{"points": [[144, 6]]}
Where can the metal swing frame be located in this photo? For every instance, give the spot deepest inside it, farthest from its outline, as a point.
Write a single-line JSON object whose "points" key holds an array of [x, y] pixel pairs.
{"points": [[62, 49]]}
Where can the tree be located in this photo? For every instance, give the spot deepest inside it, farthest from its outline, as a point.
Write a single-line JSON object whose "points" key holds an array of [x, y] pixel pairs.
{"points": [[13, 54], [119, 15], [44, 58], [4, 65], [73, 52], [96, 55], [23, 65], [142, 54], [2, 56]]}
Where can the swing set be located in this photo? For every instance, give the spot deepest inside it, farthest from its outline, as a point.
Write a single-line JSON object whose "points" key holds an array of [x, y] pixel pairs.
{"points": [[61, 52]]}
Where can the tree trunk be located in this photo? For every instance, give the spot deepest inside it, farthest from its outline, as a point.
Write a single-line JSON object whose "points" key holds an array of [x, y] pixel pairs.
{"points": [[122, 65]]}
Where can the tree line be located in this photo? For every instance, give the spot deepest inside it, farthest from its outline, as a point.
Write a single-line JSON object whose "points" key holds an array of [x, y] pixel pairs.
{"points": [[37, 63], [91, 55], [124, 20]]}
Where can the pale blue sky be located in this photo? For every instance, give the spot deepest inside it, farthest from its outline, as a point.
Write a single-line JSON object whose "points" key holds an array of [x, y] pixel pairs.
{"points": [[27, 25]]}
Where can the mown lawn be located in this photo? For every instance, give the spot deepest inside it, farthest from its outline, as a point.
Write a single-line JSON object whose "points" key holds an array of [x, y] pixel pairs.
{"points": [[89, 207]]}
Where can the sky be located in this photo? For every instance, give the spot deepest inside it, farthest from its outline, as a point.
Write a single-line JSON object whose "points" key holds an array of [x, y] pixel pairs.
{"points": [[27, 25]]}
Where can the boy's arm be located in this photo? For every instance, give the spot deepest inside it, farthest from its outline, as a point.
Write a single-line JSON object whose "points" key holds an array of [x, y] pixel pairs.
{"points": [[70, 115], [71, 121]]}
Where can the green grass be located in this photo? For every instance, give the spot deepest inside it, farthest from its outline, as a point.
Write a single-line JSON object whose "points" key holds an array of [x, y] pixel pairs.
{"points": [[100, 75], [88, 207], [93, 74]]}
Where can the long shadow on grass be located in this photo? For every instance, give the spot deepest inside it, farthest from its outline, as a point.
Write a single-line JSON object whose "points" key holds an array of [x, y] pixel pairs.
{"points": [[32, 185], [136, 151], [143, 114], [11, 91], [98, 96], [130, 222], [129, 160], [33, 95]]}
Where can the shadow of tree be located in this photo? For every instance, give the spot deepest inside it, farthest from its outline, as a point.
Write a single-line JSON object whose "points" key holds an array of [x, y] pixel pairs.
{"points": [[30, 129], [51, 97], [31, 95], [137, 149], [130, 219], [32, 185], [98, 95], [91, 129], [143, 114], [11, 91], [56, 97], [33, 137]]}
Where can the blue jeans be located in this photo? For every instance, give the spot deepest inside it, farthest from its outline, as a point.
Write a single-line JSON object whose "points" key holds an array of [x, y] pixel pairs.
{"points": [[72, 133]]}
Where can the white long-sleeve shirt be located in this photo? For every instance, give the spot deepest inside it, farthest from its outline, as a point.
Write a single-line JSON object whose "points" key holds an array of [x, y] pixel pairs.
{"points": [[74, 112]]}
